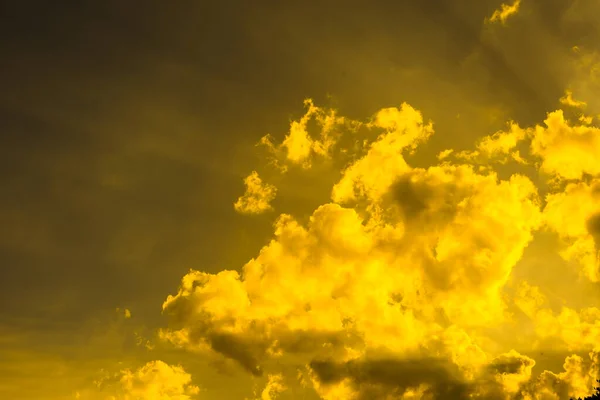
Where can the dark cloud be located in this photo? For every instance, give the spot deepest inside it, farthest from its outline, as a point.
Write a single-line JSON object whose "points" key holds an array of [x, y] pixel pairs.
{"points": [[419, 196], [507, 367], [593, 227], [510, 364], [395, 376], [411, 196], [233, 347]]}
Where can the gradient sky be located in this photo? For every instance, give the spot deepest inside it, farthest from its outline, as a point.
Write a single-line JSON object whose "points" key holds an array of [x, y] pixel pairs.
{"points": [[391, 267]]}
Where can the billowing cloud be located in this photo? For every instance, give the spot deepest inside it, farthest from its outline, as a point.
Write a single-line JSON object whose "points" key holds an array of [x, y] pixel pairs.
{"points": [[567, 151], [564, 150], [373, 174], [388, 291], [499, 147], [157, 380], [506, 11], [258, 196], [575, 381], [574, 214], [300, 146], [273, 388], [389, 378]]}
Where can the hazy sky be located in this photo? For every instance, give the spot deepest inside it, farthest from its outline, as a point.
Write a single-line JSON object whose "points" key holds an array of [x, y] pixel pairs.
{"points": [[299, 200]]}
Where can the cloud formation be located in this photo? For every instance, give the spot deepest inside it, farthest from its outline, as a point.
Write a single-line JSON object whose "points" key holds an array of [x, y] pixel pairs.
{"points": [[155, 380], [506, 11], [300, 146], [563, 150], [257, 197], [568, 100], [388, 289], [573, 214]]}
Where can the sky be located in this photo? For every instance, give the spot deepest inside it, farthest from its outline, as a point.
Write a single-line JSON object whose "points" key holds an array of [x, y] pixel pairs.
{"points": [[299, 200]]}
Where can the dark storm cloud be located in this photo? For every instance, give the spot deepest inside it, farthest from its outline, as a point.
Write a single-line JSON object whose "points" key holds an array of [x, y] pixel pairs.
{"points": [[510, 364], [380, 377], [593, 227], [418, 196], [231, 346]]}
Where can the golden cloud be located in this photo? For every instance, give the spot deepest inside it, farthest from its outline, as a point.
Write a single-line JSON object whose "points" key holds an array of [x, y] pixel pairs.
{"points": [[155, 380], [299, 146], [568, 100], [258, 196], [388, 290], [273, 387], [506, 11], [564, 150], [574, 215]]}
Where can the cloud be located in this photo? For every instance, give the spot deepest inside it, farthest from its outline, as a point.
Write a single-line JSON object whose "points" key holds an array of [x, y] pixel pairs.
{"points": [[125, 312], [574, 330], [511, 370], [568, 100], [257, 197], [529, 298], [506, 11], [573, 215], [157, 380], [499, 147], [299, 146], [585, 79], [322, 282], [562, 149], [575, 381], [370, 379], [273, 388], [445, 238], [567, 151], [398, 286], [373, 174]]}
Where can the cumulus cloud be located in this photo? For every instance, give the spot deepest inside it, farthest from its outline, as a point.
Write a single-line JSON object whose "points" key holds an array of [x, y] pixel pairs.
{"points": [[386, 290], [574, 214], [567, 151], [389, 378], [258, 196], [506, 11], [575, 381], [395, 286], [373, 174], [155, 380], [273, 388], [499, 147], [322, 283], [564, 150], [300, 146]]}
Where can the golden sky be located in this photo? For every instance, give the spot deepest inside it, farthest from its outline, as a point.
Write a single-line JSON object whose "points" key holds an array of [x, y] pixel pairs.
{"points": [[300, 200]]}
